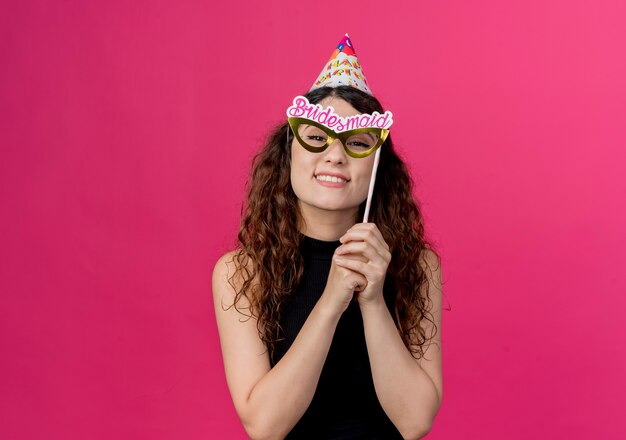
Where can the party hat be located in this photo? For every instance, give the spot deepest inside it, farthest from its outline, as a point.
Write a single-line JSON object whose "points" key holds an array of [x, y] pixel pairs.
{"points": [[342, 69]]}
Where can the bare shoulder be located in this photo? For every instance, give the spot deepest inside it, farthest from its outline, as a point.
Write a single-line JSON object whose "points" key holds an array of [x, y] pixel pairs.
{"points": [[225, 266], [230, 293], [225, 280], [222, 271], [430, 262], [431, 362], [245, 356]]}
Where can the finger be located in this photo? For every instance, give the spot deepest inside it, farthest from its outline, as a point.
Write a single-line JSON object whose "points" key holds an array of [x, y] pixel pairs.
{"points": [[357, 278], [369, 239], [363, 248], [359, 286], [354, 265], [367, 236], [354, 256], [371, 270], [366, 232]]}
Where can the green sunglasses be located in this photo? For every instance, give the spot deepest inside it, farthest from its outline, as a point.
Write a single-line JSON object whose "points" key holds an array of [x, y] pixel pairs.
{"points": [[358, 143]]}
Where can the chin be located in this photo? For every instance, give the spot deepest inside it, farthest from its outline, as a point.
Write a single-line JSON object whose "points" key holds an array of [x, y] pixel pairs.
{"points": [[334, 205]]}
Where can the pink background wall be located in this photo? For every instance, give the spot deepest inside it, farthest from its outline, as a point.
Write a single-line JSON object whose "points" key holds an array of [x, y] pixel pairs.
{"points": [[121, 184]]}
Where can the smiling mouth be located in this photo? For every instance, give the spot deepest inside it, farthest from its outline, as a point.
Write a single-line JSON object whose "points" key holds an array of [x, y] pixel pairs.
{"points": [[334, 179]]}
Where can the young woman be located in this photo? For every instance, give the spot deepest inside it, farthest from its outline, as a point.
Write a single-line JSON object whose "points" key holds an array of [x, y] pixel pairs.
{"points": [[329, 326]]}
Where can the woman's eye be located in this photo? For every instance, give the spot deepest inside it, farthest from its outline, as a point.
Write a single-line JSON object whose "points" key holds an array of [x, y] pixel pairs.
{"points": [[359, 144], [316, 138]]}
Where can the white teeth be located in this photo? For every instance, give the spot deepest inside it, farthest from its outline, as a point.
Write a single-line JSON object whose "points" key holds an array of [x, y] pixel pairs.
{"points": [[330, 178]]}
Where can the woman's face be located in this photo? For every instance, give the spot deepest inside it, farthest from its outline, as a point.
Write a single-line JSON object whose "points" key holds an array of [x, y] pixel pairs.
{"points": [[330, 180]]}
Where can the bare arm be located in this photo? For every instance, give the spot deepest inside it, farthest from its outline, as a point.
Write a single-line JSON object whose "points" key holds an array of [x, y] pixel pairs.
{"points": [[409, 390], [270, 401]]}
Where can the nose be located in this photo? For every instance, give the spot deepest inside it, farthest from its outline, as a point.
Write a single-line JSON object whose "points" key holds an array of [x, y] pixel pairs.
{"points": [[335, 153]]}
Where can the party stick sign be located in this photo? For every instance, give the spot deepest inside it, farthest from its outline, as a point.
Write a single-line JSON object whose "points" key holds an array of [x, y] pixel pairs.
{"points": [[302, 108]]}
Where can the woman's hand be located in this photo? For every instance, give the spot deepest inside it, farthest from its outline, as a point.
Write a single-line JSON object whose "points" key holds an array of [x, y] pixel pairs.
{"points": [[365, 252], [341, 285]]}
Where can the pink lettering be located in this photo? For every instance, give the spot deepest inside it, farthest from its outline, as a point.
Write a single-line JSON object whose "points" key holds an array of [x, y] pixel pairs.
{"points": [[352, 122], [300, 104], [301, 107], [382, 121], [325, 114], [312, 111], [332, 121]]}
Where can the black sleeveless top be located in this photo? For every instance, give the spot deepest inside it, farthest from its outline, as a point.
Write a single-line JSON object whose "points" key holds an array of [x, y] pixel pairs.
{"points": [[345, 405]]}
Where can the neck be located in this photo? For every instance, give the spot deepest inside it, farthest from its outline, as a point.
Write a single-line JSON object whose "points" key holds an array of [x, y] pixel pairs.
{"points": [[325, 225]]}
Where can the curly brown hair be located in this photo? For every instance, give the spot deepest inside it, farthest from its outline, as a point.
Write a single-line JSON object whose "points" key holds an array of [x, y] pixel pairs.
{"points": [[268, 263]]}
